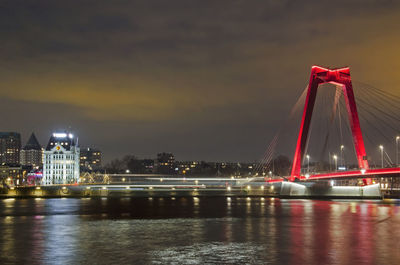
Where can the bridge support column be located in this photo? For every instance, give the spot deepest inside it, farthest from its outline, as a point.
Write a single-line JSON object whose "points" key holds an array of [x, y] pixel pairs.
{"points": [[340, 77]]}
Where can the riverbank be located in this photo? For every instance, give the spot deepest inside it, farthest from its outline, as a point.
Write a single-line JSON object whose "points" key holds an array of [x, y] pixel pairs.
{"points": [[279, 190]]}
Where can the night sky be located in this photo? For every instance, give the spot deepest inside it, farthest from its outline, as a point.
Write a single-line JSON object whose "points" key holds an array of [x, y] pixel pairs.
{"points": [[206, 80]]}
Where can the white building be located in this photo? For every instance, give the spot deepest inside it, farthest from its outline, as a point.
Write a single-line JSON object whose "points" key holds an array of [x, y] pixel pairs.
{"points": [[61, 160]]}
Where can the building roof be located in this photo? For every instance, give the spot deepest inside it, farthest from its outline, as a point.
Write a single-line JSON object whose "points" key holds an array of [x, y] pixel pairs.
{"points": [[32, 143], [8, 134], [65, 139]]}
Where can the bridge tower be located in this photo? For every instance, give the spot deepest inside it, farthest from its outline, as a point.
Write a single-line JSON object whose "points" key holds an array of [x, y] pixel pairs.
{"points": [[341, 77]]}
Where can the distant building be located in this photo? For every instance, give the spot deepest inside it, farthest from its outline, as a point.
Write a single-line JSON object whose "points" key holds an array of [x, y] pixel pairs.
{"points": [[10, 146], [165, 163], [90, 159], [61, 160], [187, 167], [34, 178], [31, 154], [11, 175]]}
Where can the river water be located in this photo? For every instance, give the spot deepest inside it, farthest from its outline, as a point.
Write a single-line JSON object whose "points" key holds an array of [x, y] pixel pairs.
{"points": [[198, 231]]}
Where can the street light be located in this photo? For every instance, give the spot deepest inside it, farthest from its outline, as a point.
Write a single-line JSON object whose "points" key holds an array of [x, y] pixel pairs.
{"points": [[381, 147], [308, 164], [341, 155], [335, 158], [397, 150]]}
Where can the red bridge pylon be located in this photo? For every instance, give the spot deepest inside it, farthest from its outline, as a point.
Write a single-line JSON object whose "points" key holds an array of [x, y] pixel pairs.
{"points": [[341, 77]]}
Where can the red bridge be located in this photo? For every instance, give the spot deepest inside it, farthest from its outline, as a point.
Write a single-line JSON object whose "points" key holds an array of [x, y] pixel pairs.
{"points": [[339, 77]]}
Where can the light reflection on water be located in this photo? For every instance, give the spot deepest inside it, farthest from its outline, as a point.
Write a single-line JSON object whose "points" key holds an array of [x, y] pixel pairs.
{"points": [[199, 230]]}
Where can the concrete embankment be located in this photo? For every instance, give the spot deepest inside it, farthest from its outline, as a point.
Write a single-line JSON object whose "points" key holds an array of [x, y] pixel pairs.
{"points": [[281, 190], [133, 191]]}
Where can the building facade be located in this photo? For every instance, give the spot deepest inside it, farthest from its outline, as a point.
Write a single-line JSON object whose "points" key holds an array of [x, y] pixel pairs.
{"points": [[90, 159], [165, 163], [61, 160], [31, 154], [10, 146], [12, 175]]}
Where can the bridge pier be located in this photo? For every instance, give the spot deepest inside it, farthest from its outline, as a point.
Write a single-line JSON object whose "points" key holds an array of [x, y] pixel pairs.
{"points": [[319, 190]]}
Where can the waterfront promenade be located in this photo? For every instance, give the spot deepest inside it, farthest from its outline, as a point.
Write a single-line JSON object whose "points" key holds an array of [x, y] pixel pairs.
{"points": [[199, 187]]}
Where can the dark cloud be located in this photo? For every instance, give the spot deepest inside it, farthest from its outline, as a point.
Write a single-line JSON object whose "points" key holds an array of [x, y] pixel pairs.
{"points": [[204, 79]]}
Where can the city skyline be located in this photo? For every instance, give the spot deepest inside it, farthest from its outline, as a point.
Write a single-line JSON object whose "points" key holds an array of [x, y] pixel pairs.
{"points": [[205, 81]]}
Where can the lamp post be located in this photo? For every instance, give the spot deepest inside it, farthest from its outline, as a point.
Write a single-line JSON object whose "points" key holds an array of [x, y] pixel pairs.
{"points": [[308, 163], [335, 158], [397, 150], [341, 155], [381, 147]]}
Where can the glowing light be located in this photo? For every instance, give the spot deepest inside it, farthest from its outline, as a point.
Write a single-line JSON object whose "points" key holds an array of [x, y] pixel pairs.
{"points": [[59, 135], [262, 187], [228, 188], [104, 188], [248, 187], [38, 188], [88, 188]]}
